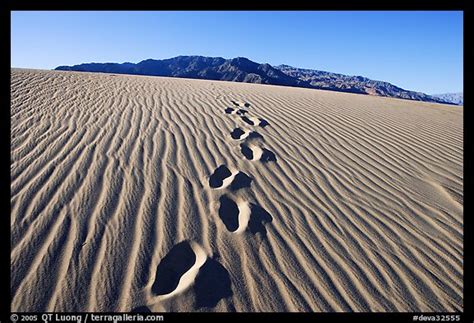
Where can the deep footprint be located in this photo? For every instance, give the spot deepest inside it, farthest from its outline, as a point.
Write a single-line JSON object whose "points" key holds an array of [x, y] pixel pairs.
{"points": [[212, 284], [256, 153], [172, 267], [223, 177], [268, 156], [247, 120], [240, 104], [239, 215], [241, 180], [246, 151], [263, 123], [239, 134], [229, 213], [216, 180], [258, 218], [239, 112], [178, 269], [255, 121]]}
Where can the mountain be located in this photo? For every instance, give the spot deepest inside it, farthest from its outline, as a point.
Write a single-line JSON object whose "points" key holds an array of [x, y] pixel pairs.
{"points": [[238, 69], [454, 98], [354, 84], [241, 69]]}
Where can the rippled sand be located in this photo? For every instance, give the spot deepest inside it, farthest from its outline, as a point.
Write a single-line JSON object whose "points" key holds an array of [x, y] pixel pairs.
{"points": [[191, 195]]}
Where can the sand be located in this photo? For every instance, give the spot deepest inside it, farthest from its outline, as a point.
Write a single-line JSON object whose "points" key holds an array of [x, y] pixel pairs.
{"points": [[192, 195]]}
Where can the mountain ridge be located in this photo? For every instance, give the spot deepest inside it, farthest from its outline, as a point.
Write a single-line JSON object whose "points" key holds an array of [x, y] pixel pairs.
{"points": [[455, 98], [241, 69]]}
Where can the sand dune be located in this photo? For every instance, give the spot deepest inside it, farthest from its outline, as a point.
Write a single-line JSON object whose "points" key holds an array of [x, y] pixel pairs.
{"points": [[149, 193]]}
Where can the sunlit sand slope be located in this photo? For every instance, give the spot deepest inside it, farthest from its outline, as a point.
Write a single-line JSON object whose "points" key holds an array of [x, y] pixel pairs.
{"points": [[163, 194]]}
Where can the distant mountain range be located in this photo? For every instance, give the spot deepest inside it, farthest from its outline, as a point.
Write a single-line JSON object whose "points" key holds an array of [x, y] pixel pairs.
{"points": [[241, 69], [454, 98]]}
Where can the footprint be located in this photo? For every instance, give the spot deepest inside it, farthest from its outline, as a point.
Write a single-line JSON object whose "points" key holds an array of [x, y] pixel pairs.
{"points": [[178, 269], [258, 218], [239, 112], [239, 215], [234, 215], [249, 121], [247, 152], [253, 121], [263, 123], [239, 134], [240, 104], [223, 177], [217, 179], [241, 180], [212, 284], [254, 153], [268, 156]]}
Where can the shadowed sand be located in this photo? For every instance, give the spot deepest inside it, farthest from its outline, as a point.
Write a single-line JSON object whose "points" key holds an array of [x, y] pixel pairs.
{"points": [[339, 202], [238, 215], [252, 152]]}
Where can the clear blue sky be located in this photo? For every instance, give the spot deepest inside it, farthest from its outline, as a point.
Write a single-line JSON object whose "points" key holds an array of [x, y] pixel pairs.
{"points": [[421, 51]]}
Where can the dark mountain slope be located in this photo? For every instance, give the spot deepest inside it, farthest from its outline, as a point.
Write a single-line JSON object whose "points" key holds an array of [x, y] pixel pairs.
{"points": [[241, 69]]}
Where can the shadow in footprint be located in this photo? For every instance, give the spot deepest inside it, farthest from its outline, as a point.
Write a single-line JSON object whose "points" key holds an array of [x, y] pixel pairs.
{"points": [[268, 156], [229, 110], [241, 180], [247, 120], [212, 284], [255, 135], [141, 309], [237, 133], [247, 104], [241, 112], [235, 103], [229, 213], [220, 174], [263, 123], [178, 261], [246, 151], [258, 218]]}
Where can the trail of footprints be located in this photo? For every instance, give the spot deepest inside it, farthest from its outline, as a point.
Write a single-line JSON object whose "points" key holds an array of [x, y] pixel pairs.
{"points": [[187, 264], [237, 214]]}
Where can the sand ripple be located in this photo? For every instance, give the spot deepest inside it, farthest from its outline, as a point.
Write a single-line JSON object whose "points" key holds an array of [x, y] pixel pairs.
{"points": [[349, 202]]}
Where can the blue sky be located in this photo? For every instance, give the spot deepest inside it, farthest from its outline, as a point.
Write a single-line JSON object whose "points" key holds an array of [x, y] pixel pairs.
{"points": [[416, 50]]}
